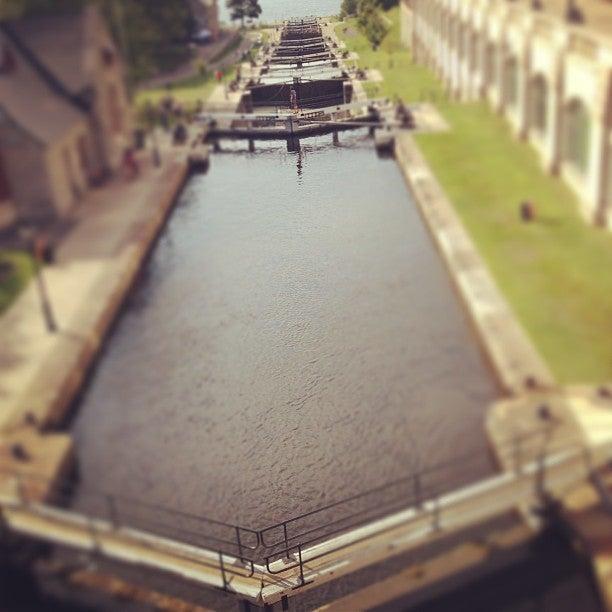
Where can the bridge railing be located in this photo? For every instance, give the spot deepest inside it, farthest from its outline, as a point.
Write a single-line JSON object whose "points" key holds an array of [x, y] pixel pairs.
{"points": [[124, 511], [427, 485], [420, 491]]}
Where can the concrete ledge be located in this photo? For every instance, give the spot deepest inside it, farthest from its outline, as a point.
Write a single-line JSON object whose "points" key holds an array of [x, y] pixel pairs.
{"points": [[88, 286], [37, 475], [516, 362]]}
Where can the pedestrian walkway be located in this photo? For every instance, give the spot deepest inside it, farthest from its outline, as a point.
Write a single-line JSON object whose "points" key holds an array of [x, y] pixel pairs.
{"points": [[40, 372]]}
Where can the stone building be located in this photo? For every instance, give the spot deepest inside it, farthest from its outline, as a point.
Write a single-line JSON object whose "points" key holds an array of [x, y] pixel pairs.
{"points": [[64, 113], [551, 79]]}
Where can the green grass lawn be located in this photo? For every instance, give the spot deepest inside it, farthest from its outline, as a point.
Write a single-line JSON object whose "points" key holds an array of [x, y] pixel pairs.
{"points": [[392, 60], [556, 272], [189, 90], [186, 91], [15, 271]]}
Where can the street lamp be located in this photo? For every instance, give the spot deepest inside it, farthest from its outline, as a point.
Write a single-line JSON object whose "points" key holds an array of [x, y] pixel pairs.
{"points": [[151, 122], [40, 252]]}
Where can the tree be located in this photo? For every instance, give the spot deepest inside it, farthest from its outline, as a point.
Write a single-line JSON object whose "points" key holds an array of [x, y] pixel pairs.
{"points": [[236, 8], [253, 9], [385, 5], [244, 9], [348, 8], [371, 22], [151, 34]]}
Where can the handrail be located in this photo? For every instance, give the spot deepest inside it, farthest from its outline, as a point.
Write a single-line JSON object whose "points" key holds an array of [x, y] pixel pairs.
{"points": [[553, 464], [416, 482], [124, 511], [250, 544]]}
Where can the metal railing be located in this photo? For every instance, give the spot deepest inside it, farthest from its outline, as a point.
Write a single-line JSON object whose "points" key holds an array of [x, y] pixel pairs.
{"points": [[124, 511], [286, 540]]}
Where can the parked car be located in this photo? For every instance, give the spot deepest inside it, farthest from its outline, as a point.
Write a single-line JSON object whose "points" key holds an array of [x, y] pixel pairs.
{"points": [[202, 37]]}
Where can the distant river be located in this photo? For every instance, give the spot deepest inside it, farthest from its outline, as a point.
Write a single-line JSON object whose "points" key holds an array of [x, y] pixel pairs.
{"points": [[274, 10]]}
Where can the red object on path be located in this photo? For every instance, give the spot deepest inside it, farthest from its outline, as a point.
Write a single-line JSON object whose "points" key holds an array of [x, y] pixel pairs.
{"points": [[218, 75], [130, 164]]}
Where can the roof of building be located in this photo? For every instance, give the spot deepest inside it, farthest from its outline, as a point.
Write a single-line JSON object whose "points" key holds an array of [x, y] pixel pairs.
{"points": [[37, 93], [60, 42]]}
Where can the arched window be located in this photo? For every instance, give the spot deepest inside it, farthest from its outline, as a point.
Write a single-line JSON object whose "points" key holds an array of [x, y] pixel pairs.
{"points": [[474, 55], [490, 65], [511, 82], [538, 104], [452, 34], [461, 40], [577, 134]]}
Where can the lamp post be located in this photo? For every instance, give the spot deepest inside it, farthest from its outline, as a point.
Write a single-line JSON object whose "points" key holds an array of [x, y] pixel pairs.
{"points": [[41, 252], [151, 122], [156, 154]]}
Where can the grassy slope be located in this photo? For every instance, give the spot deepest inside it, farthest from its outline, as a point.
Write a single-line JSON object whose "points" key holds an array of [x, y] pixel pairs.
{"points": [[555, 272], [187, 91], [16, 280]]}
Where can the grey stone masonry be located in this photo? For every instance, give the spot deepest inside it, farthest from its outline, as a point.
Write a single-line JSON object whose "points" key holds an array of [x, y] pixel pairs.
{"points": [[515, 360]]}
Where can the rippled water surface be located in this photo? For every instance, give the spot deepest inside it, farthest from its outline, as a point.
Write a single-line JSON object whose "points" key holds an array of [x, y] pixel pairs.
{"points": [[294, 339], [275, 10]]}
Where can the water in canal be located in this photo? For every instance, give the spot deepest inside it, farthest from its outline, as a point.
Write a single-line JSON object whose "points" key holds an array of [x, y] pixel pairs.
{"points": [[294, 339], [276, 10]]}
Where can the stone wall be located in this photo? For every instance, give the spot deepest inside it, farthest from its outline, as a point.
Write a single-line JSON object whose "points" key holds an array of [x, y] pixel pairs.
{"points": [[552, 80]]}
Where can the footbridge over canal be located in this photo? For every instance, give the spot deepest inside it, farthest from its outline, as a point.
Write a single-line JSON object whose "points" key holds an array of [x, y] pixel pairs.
{"points": [[287, 125], [561, 452]]}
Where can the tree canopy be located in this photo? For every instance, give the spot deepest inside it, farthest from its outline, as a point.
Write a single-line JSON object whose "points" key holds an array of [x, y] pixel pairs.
{"points": [[368, 17], [244, 9]]}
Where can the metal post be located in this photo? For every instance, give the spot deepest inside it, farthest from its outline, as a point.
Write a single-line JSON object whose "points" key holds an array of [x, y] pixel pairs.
{"points": [[45, 303], [286, 540], [94, 535], [251, 145], [239, 543], [156, 156], [112, 510], [418, 502], [518, 468], [302, 581], [222, 571], [335, 138], [436, 514]]}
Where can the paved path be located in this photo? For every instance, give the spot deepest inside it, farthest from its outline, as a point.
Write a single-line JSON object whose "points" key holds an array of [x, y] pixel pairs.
{"points": [[40, 372]]}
